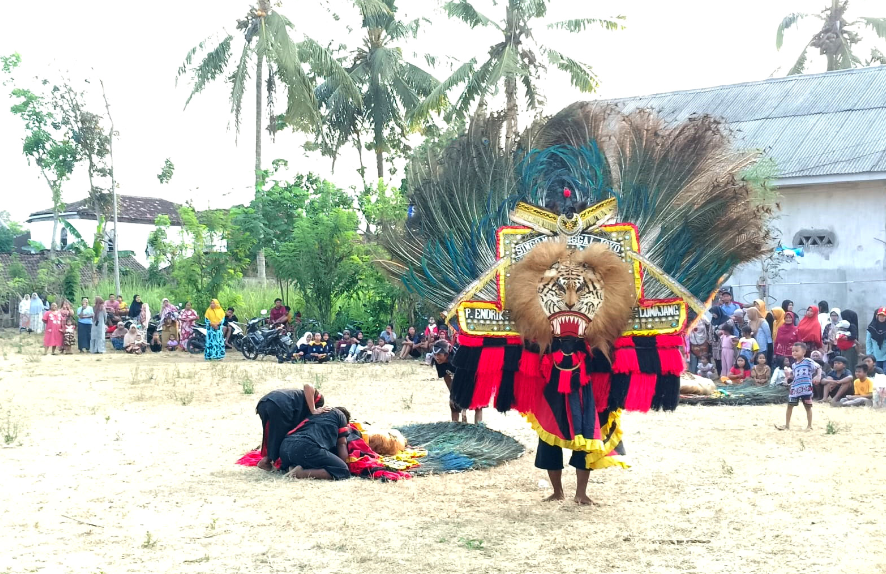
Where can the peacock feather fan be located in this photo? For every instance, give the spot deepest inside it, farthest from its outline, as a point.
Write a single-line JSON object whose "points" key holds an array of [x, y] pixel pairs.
{"points": [[699, 202]]}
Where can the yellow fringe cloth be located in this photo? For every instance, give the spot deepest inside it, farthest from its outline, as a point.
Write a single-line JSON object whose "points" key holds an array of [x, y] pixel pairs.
{"points": [[597, 451]]}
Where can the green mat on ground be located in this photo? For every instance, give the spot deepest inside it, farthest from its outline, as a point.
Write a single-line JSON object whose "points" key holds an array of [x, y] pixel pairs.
{"points": [[740, 395]]}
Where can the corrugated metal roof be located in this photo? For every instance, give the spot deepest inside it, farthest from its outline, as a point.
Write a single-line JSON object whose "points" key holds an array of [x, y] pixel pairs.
{"points": [[817, 124]]}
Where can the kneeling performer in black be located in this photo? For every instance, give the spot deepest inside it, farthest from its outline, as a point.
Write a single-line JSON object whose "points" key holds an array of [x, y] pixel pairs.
{"points": [[318, 447], [281, 411]]}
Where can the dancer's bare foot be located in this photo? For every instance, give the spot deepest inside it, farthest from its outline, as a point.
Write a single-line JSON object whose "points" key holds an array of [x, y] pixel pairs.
{"points": [[555, 497], [265, 464], [295, 472], [583, 500]]}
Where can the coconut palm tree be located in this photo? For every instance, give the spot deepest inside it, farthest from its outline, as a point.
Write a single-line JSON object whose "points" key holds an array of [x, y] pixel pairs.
{"points": [[391, 88], [267, 41], [517, 59], [835, 39]]}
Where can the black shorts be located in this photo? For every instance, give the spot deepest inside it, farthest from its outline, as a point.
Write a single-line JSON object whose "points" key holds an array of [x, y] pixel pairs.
{"points": [[549, 457], [304, 452], [794, 401]]}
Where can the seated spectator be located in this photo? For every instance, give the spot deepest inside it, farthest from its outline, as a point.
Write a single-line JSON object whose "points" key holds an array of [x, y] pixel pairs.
{"points": [[112, 307], [389, 336], [227, 328], [172, 343], [838, 381], [168, 329], [740, 372], [330, 344], [863, 390], [365, 353], [133, 342], [781, 375], [279, 314], [317, 352], [383, 352], [761, 371], [871, 363], [156, 343], [343, 345], [122, 307], [357, 347], [117, 336], [410, 343], [706, 367]]}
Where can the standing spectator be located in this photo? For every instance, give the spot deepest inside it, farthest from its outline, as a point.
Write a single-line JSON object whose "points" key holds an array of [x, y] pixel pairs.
{"points": [[849, 345], [823, 314], [67, 311], [70, 337], [215, 342], [389, 336], [279, 314], [167, 309], [37, 311], [829, 334], [24, 314], [740, 321], [97, 331], [84, 325], [186, 320], [777, 321], [767, 315], [727, 348], [144, 318], [787, 336], [699, 342], [788, 307], [53, 336], [760, 331], [717, 320], [410, 342], [747, 345], [801, 385], [876, 339], [726, 303], [809, 331]]}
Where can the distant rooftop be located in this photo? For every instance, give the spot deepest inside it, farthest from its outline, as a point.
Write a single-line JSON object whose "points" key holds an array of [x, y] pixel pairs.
{"points": [[826, 124], [130, 208]]}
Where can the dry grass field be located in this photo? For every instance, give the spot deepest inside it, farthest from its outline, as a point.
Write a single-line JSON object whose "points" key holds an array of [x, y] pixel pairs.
{"points": [[126, 464]]}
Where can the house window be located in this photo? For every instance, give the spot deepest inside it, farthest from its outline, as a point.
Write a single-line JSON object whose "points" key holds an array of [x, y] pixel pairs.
{"points": [[814, 238], [63, 238]]}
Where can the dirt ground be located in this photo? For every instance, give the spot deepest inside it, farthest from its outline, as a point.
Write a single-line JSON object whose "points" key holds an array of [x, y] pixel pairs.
{"points": [[126, 464]]}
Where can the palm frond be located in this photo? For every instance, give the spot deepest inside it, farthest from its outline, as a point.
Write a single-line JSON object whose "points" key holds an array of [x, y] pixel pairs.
{"points": [[786, 23], [582, 24], [878, 25], [477, 87], [325, 65], [533, 99], [189, 58], [436, 100], [238, 81], [532, 8], [800, 64], [373, 8], [302, 106], [506, 65], [467, 13], [212, 65], [581, 75]]}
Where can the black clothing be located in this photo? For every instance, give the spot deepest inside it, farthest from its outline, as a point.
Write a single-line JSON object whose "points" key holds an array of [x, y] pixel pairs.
{"points": [[135, 309], [313, 444], [84, 334], [549, 457], [231, 319], [443, 368], [281, 411], [324, 428]]}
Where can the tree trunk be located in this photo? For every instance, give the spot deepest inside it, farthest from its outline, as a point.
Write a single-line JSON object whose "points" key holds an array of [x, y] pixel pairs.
{"points": [[54, 231], [510, 113], [380, 163], [259, 193]]}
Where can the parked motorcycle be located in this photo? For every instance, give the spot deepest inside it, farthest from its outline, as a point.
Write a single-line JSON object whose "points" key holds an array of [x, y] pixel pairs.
{"points": [[263, 341], [197, 342]]}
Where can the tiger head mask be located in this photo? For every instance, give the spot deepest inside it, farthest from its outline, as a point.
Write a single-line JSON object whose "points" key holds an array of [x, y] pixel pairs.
{"points": [[557, 291]]}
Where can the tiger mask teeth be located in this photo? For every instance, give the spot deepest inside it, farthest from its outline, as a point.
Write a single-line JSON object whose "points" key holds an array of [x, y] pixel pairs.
{"points": [[569, 324]]}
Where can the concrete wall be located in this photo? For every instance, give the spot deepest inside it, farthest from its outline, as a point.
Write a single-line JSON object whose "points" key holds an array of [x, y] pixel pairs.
{"points": [[852, 274], [133, 236]]}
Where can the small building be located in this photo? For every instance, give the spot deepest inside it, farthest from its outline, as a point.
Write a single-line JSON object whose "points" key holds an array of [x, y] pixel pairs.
{"points": [[135, 222], [827, 135]]}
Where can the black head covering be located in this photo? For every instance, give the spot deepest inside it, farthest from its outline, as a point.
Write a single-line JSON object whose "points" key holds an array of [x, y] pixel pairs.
{"points": [[135, 309], [877, 330], [823, 307], [852, 317], [717, 316]]}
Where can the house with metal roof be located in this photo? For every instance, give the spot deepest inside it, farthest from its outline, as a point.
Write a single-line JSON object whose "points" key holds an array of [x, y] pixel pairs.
{"points": [[827, 135]]}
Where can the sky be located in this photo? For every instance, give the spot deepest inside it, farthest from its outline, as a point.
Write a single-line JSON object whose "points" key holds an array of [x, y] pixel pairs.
{"points": [[136, 48]]}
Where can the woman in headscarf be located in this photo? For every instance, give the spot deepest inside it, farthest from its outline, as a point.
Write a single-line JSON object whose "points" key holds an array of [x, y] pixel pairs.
{"points": [[144, 318], [133, 342], [186, 320], [67, 311], [135, 310], [24, 314], [788, 307], [809, 331], [37, 311], [760, 331], [167, 309], [766, 314], [215, 341], [851, 352], [97, 334], [53, 337], [876, 341], [829, 336], [787, 336], [777, 321], [699, 342]]}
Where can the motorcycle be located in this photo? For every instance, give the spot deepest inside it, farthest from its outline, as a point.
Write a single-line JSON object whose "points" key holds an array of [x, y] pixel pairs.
{"points": [[263, 341], [197, 342]]}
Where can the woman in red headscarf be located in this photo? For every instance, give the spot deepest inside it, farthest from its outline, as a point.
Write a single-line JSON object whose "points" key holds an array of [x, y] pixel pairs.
{"points": [[785, 339], [809, 330]]}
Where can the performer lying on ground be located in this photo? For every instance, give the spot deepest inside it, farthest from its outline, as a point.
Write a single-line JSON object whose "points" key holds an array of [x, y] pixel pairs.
{"points": [[442, 351], [281, 411], [318, 447]]}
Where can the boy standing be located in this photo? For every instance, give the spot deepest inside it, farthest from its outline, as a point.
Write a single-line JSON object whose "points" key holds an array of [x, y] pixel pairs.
{"points": [[863, 388], [801, 385], [442, 352]]}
